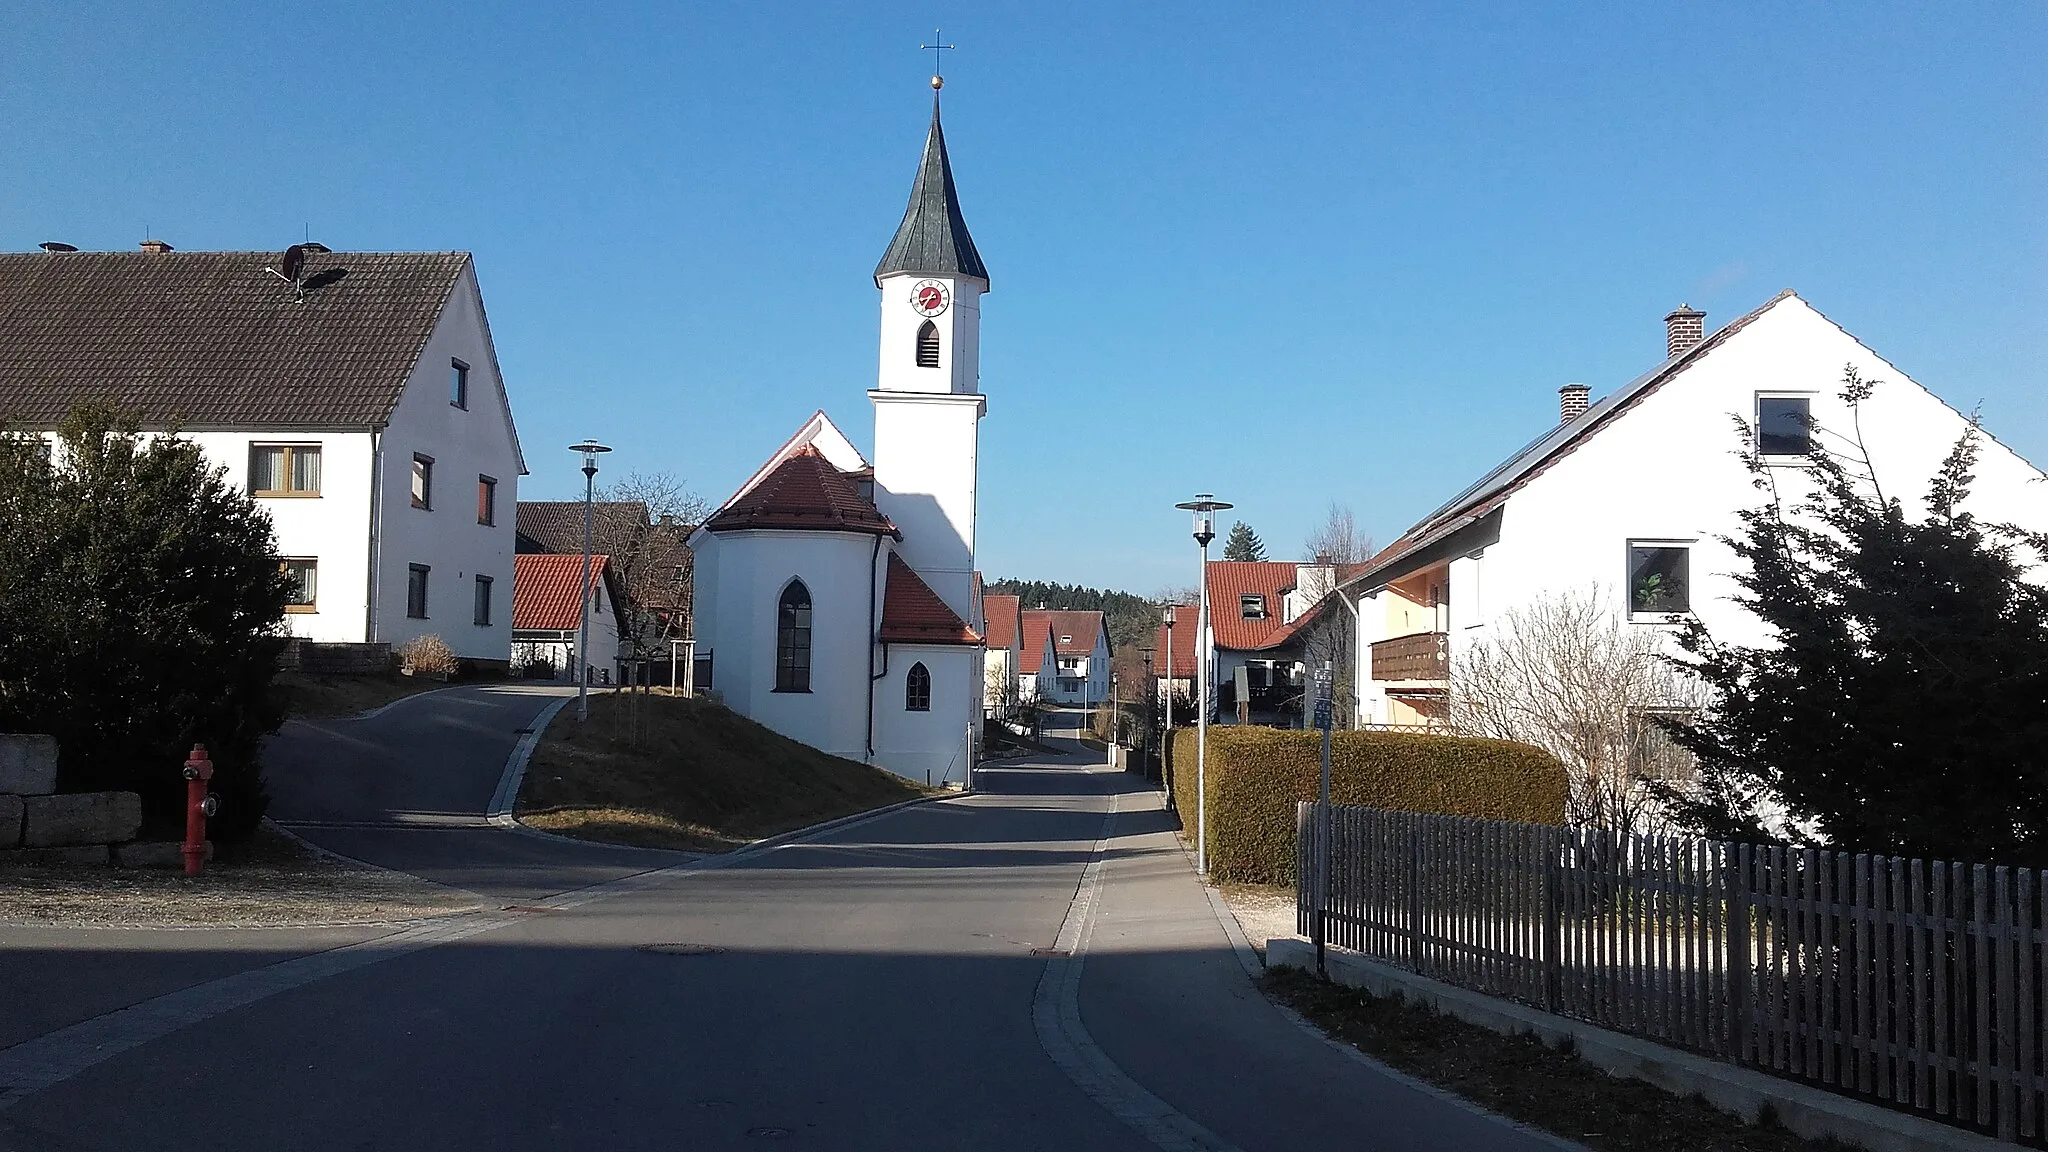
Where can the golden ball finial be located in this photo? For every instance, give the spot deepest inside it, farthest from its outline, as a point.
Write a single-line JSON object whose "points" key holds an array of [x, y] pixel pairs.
{"points": [[938, 82]]}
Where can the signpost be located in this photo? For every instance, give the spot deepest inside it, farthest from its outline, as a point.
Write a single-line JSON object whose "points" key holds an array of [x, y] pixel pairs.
{"points": [[1322, 822]]}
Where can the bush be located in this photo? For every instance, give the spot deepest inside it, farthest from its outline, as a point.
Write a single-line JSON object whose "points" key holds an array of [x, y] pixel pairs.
{"points": [[141, 612], [1258, 775], [429, 654]]}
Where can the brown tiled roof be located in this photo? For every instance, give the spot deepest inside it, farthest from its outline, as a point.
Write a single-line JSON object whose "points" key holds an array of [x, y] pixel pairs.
{"points": [[656, 550], [1082, 628], [544, 596], [805, 492], [913, 614], [1229, 581], [1004, 619], [211, 339], [1036, 637]]}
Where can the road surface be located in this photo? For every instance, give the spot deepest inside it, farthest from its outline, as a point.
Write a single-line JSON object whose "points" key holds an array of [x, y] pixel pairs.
{"points": [[1032, 966]]}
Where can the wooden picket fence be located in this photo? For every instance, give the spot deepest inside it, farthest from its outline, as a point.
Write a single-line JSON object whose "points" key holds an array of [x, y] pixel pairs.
{"points": [[1913, 983]]}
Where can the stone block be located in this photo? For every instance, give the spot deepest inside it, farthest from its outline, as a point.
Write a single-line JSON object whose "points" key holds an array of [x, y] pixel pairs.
{"points": [[28, 764], [82, 818], [154, 854], [11, 811], [72, 856]]}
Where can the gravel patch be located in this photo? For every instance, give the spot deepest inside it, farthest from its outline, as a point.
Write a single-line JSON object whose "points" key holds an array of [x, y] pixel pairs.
{"points": [[273, 881], [1264, 911]]}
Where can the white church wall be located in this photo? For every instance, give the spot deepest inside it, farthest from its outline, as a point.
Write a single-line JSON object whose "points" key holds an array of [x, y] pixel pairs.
{"points": [[925, 474], [751, 571], [930, 747]]}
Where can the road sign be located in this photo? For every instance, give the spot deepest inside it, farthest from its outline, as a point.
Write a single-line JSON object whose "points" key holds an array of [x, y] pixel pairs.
{"points": [[1323, 714]]}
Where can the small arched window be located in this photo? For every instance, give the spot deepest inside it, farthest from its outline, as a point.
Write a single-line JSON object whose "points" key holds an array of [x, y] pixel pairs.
{"points": [[917, 689], [793, 639], [928, 345]]}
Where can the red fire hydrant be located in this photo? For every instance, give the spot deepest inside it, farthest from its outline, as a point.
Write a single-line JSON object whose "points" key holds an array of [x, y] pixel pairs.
{"points": [[198, 806]]}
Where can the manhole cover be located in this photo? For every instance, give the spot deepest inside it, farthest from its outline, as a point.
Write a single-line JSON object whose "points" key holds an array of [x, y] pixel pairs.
{"points": [[527, 908], [682, 949], [1050, 952], [768, 1133]]}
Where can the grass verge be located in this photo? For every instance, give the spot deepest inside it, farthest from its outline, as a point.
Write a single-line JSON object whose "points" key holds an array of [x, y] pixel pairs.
{"points": [[268, 880], [1523, 1079], [329, 696], [660, 771]]}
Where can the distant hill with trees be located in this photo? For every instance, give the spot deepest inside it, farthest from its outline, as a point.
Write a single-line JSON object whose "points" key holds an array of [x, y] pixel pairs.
{"points": [[1133, 621]]}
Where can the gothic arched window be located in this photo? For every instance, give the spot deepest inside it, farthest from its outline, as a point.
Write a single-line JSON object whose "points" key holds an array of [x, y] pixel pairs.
{"points": [[917, 689], [793, 639], [928, 345]]}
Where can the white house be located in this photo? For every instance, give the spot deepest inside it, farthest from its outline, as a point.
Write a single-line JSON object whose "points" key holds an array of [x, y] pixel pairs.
{"points": [[1004, 627], [1080, 642], [836, 600], [1632, 493], [357, 399], [549, 615]]}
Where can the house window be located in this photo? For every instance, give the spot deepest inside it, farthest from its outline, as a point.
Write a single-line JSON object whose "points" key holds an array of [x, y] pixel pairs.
{"points": [[928, 345], [416, 591], [917, 689], [422, 481], [793, 639], [284, 470], [483, 602], [486, 500], [458, 383], [1784, 425], [1659, 579], [304, 579], [1252, 606]]}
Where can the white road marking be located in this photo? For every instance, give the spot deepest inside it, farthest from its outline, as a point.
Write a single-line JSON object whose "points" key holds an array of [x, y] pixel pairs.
{"points": [[1056, 1016]]}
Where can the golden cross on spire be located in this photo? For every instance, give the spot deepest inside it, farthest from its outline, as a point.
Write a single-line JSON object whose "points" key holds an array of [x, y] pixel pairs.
{"points": [[935, 47]]}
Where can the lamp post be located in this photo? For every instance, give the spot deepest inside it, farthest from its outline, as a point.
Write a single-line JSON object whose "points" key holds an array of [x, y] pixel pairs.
{"points": [[1115, 714], [590, 449], [1204, 508], [1151, 713]]}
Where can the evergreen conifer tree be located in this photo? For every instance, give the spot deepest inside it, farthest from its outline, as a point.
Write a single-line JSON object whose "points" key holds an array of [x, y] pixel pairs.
{"points": [[1243, 543], [1900, 703]]}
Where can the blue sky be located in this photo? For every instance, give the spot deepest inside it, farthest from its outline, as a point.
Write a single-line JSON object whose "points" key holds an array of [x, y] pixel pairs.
{"points": [[1226, 241]]}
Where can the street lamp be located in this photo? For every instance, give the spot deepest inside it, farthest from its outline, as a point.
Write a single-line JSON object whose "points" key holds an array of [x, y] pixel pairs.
{"points": [[1204, 508], [1166, 728], [1115, 714], [1151, 713], [590, 449]]}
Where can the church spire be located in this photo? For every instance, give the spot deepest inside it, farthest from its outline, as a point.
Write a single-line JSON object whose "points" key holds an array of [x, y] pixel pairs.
{"points": [[933, 237]]}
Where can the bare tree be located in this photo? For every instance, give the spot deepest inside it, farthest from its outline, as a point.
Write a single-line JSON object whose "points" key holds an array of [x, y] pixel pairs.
{"points": [[644, 525], [1338, 538], [1565, 675]]}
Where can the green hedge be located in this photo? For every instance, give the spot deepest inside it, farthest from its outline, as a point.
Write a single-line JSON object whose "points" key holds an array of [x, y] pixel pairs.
{"points": [[1256, 776]]}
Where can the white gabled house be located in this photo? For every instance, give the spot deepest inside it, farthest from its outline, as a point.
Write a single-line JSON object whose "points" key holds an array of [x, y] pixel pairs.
{"points": [[1079, 652], [358, 400], [1632, 493]]}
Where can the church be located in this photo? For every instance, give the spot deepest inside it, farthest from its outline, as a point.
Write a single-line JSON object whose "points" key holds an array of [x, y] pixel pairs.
{"points": [[837, 599]]}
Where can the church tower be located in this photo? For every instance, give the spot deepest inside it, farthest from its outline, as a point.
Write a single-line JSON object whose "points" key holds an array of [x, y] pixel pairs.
{"points": [[927, 396]]}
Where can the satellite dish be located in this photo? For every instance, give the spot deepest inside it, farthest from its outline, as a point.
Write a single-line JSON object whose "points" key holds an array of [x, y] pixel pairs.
{"points": [[316, 247], [57, 246], [294, 262]]}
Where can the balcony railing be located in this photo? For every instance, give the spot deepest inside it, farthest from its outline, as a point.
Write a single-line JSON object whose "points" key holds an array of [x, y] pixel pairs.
{"points": [[1422, 656]]}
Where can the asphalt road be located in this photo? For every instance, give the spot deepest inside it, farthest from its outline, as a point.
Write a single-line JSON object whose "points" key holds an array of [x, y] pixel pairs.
{"points": [[1031, 966]]}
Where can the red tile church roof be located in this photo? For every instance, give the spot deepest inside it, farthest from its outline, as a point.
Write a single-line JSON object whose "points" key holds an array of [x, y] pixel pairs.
{"points": [[805, 492], [913, 614]]}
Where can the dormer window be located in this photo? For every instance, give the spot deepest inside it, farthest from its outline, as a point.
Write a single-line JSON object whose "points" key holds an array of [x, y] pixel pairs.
{"points": [[928, 345], [1251, 606]]}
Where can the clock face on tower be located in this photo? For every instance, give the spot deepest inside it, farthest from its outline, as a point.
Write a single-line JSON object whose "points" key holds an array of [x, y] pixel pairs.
{"points": [[929, 297]]}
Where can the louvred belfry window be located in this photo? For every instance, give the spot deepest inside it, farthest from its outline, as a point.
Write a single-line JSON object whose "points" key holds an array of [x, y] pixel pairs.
{"points": [[928, 345]]}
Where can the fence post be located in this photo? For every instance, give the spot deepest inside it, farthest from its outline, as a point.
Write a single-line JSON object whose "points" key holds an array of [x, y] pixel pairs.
{"points": [[1735, 874], [1553, 920], [1414, 822]]}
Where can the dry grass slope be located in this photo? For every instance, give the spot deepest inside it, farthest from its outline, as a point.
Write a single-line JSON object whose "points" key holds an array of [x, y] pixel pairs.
{"points": [[700, 777]]}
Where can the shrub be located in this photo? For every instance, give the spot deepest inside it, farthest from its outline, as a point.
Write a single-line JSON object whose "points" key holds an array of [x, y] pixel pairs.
{"points": [[141, 612], [429, 654], [1256, 776]]}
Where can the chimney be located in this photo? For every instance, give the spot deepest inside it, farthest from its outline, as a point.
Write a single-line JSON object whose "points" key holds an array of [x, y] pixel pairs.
{"points": [[1683, 329], [1572, 402], [155, 247]]}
